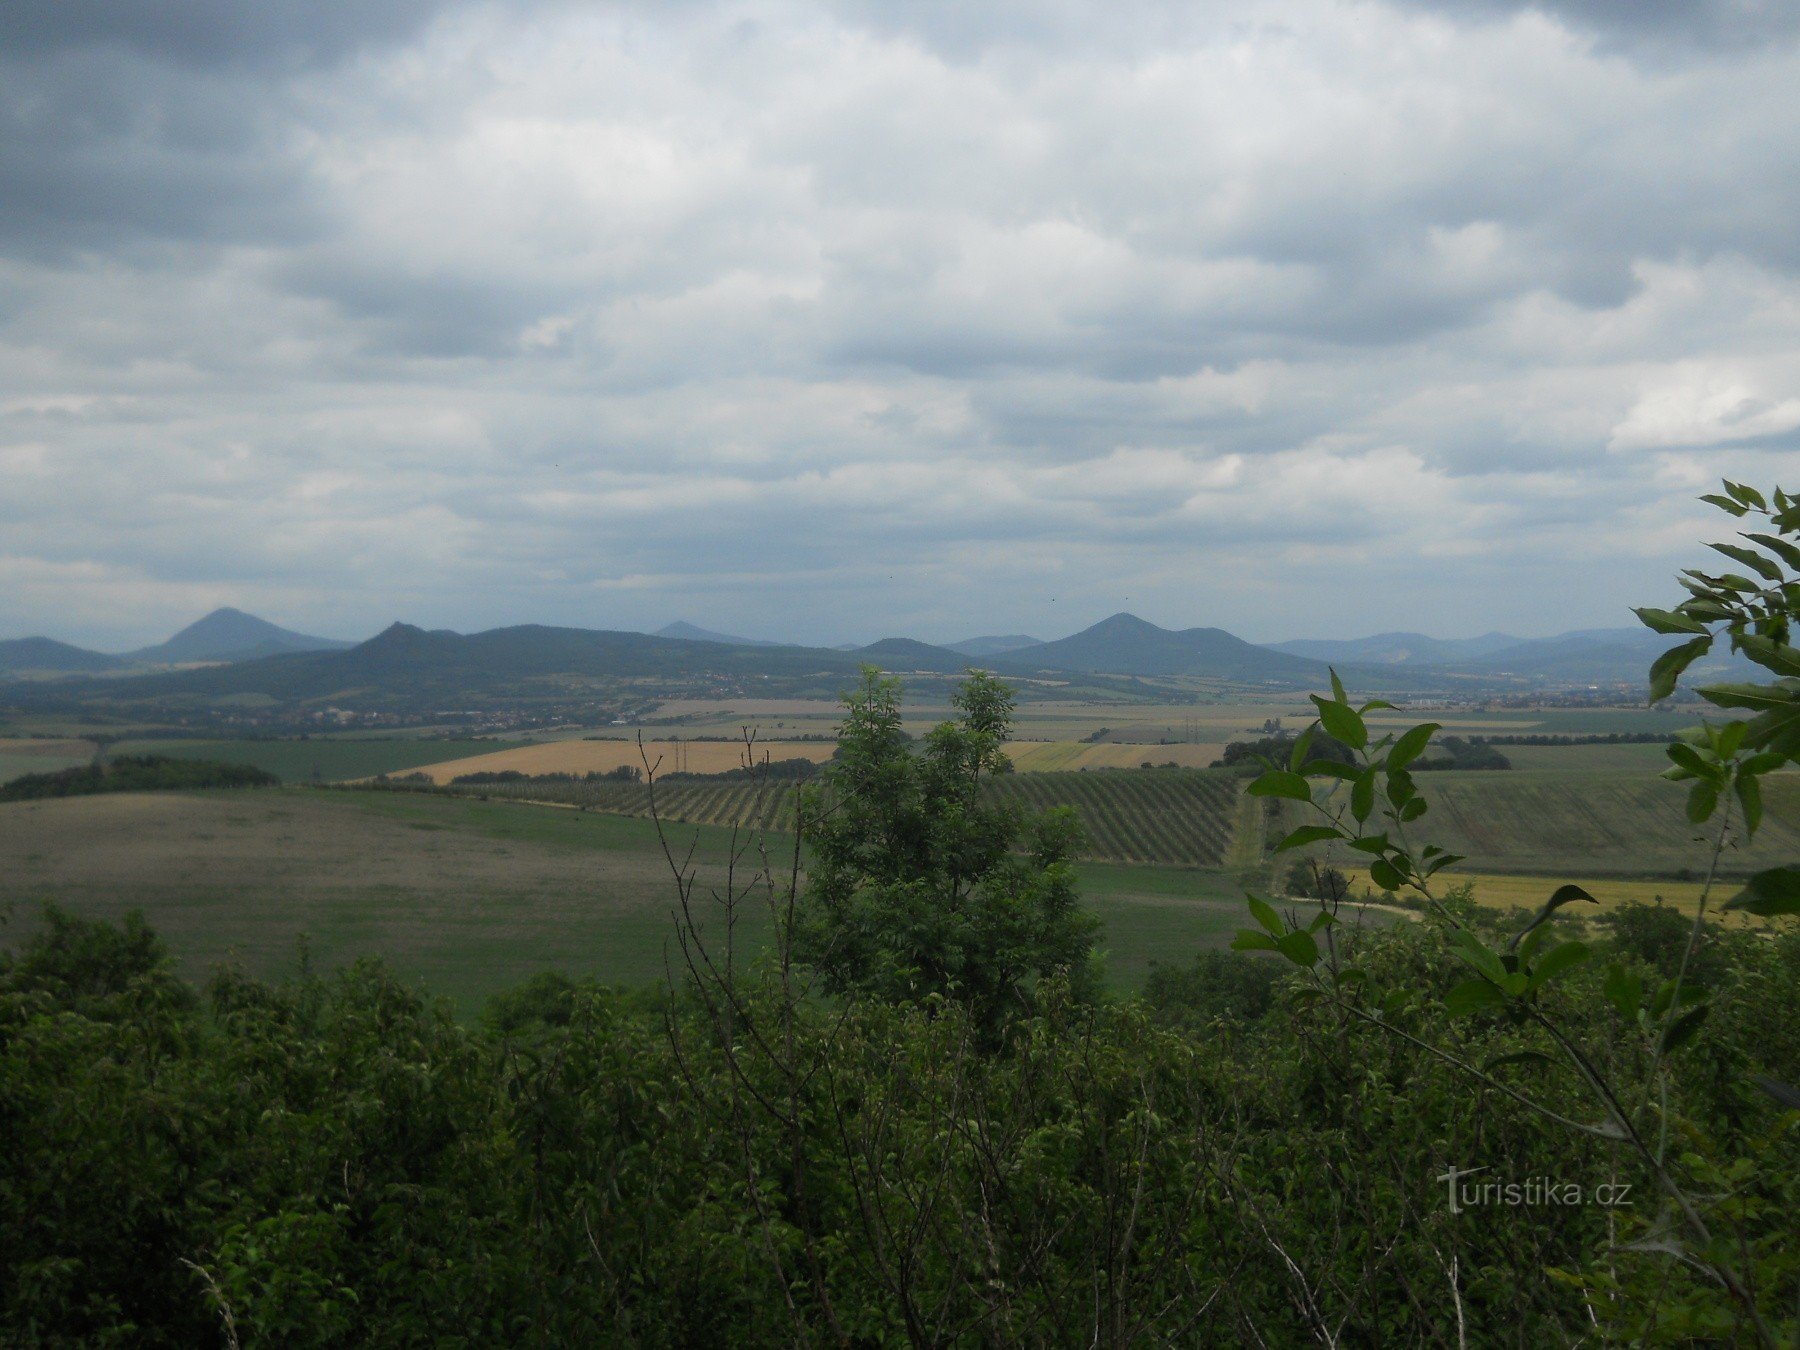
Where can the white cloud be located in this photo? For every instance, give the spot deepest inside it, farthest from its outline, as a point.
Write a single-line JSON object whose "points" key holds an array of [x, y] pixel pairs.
{"points": [[1277, 315]]}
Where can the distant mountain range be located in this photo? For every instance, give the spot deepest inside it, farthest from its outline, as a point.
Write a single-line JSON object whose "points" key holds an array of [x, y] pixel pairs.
{"points": [[1398, 649], [232, 653], [688, 632], [230, 635], [224, 635], [1128, 645]]}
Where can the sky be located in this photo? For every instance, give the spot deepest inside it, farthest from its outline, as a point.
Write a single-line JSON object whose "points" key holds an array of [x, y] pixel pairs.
{"points": [[832, 322]]}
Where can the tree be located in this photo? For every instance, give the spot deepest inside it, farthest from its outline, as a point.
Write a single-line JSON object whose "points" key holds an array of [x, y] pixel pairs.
{"points": [[920, 886]]}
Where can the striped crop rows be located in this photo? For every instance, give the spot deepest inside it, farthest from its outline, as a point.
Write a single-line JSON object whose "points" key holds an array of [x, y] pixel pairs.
{"points": [[1179, 816]]}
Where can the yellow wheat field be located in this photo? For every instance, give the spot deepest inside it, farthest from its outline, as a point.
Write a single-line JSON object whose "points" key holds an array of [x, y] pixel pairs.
{"points": [[604, 756]]}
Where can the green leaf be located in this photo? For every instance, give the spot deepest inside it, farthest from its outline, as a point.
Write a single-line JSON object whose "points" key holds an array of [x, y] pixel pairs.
{"points": [[1337, 688], [1776, 891], [1343, 722], [1668, 621], [1410, 746], [1280, 783], [1362, 794], [1308, 834], [1667, 668], [1563, 895], [1683, 1028], [1386, 875], [1557, 961], [1703, 800], [1302, 748], [1249, 940], [1755, 697], [1746, 494], [1725, 504], [1624, 989], [1472, 950], [1299, 947], [1749, 795], [1378, 844], [1765, 569], [1264, 913], [1472, 996], [1768, 653], [1728, 738], [1690, 759], [1781, 548], [1412, 810]]}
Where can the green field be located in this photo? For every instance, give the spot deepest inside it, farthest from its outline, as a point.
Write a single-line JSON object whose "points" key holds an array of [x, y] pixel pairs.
{"points": [[467, 897], [17, 766], [1180, 817], [319, 760], [1648, 759], [1588, 824]]}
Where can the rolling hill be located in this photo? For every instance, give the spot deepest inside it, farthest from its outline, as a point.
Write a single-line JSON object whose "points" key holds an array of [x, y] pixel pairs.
{"points": [[230, 635], [47, 656], [1128, 645], [1398, 649], [688, 632]]}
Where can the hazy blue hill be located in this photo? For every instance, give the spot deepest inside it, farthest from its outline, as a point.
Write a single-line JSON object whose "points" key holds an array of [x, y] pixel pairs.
{"points": [[406, 661], [1600, 656], [688, 632], [993, 646], [1128, 645], [231, 635], [903, 654], [1396, 649], [47, 656]]}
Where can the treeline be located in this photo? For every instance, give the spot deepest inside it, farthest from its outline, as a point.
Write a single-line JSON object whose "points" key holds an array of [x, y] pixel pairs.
{"points": [[135, 773], [1457, 752], [797, 770], [334, 1160], [624, 773]]}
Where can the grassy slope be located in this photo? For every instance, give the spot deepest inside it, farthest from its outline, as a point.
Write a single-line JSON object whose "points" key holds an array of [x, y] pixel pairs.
{"points": [[468, 897]]}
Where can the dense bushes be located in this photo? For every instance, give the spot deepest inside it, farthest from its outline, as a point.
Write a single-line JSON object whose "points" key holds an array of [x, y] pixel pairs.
{"points": [[335, 1161]]}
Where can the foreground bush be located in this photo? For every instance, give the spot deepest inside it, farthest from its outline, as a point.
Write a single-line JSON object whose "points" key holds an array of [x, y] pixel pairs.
{"points": [[334, 1160]]}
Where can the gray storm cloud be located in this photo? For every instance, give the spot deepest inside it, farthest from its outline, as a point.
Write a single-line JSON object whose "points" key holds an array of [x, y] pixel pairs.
{"points": [[831, 322]]}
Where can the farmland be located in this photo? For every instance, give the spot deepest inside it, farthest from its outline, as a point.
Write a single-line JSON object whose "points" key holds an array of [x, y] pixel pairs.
{"points": [[1589, 824], [1181, 817], [604, 755], [319, 759], [24, 755], [467, 896]]}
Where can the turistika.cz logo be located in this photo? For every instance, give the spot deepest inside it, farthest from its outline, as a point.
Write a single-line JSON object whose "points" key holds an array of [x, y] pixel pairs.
{"points": [[1546, 1191]]}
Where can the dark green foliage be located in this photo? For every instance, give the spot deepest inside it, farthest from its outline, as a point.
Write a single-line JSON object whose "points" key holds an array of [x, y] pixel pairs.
{"points": [[1463, 754], [798, 769], [919, 885], [1214, 985], [1255, 756], [135, 773], [342, 1164]]}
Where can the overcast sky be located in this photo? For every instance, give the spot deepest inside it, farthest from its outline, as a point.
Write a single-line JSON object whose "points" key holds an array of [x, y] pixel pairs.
{"points": [[832, 322]]}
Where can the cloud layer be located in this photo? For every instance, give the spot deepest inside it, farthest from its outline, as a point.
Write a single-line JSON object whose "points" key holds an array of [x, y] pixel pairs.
{"points": [[826, 323]]}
